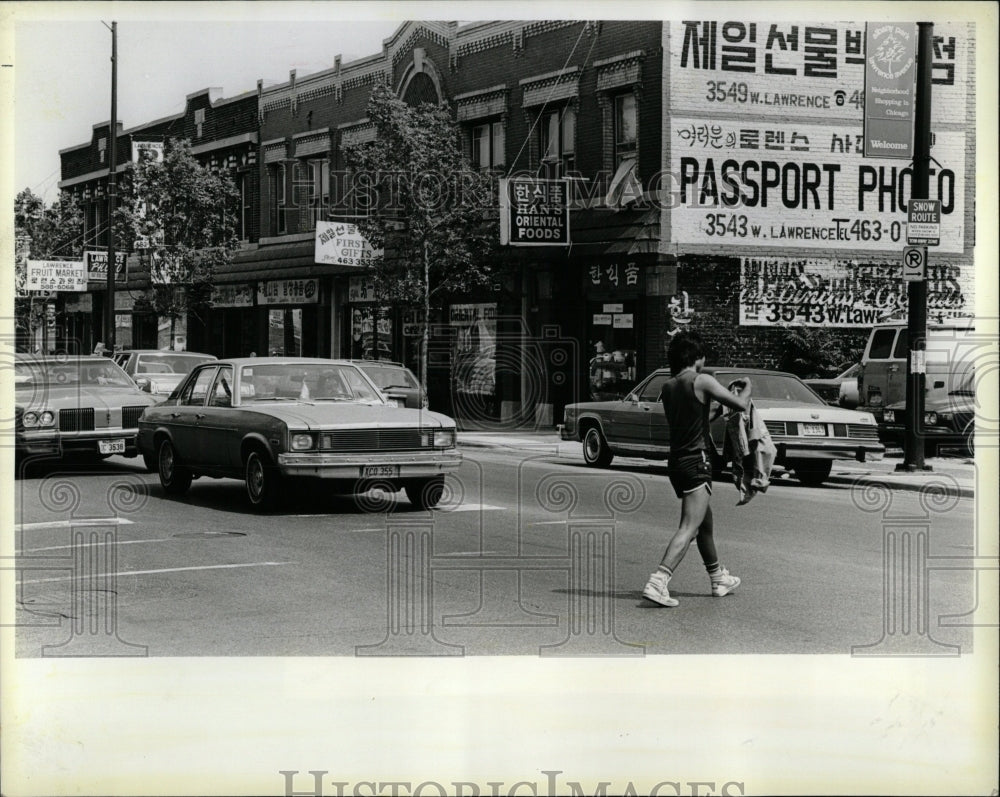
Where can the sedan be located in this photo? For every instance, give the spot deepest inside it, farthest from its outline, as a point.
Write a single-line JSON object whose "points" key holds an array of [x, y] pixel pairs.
{"points": [[82, 405], [808, 433], [840, 390], [272, 420], [159, 371], [396, 381], [949, 421]]}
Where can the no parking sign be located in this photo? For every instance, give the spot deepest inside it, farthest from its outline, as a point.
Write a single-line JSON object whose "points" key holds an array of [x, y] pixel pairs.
{"points": [[914, 263]]}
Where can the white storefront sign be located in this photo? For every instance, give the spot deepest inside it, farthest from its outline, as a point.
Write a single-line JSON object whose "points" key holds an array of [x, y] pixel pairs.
{"points": [[301, 291], [802, 185], [56, 275], [232, 296], [343, 245]]}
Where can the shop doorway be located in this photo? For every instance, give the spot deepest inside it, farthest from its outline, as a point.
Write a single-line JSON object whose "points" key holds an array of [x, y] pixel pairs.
{"points": [[612, 348]]}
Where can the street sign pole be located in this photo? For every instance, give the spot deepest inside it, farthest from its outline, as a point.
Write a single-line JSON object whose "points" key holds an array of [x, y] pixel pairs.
{"points": [[916, 290], [109, 311]]}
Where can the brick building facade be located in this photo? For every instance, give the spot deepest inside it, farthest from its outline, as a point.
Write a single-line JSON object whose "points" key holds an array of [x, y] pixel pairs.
{"points": [[716, 183]]}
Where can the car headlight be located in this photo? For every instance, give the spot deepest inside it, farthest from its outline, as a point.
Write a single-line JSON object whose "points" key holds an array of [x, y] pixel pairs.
{"points": [[930, 418], [46, 418], [302, 442], [444, 438], [890, 416], [29, 420]]}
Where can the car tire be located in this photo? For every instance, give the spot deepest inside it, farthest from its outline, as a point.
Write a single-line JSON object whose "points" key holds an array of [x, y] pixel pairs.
{"points": [[595, 448], [811, 472], [263, 482], [969, 439], [175, 479], [425, 493]]}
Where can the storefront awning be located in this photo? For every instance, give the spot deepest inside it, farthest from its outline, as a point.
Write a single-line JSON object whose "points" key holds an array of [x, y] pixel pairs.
{"points": [[604, 231], [279, 261]]}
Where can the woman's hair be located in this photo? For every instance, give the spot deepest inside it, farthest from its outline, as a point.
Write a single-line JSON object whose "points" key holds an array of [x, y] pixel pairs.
{"points": [[685, 348]]}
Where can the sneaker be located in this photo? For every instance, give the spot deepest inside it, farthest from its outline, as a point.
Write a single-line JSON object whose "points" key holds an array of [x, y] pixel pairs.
{"points": [[723, 583], [656, 589]]}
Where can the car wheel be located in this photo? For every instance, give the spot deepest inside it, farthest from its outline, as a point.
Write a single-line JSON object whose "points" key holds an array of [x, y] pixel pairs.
{"points": [[811, 472], [425, 493], [174, 477], [262, 480], [969, 439], [595, 449]]}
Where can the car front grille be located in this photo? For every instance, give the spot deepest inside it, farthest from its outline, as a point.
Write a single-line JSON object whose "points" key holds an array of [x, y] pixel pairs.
{"points": [[78, 420], [862, 431], [130, 417], [371, 439]]}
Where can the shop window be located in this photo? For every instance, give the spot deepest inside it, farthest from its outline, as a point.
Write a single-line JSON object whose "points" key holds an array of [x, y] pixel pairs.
{"points": [[371, 334], [488, 145], [613, 348], [243, 221], [473, 359], [625, 127], [557, 142], [284, 332]]}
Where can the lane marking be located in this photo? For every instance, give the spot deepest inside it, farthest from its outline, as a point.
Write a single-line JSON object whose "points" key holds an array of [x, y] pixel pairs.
{"points": [[149, 572], [66, 524], [92, 544], [467, 507]]}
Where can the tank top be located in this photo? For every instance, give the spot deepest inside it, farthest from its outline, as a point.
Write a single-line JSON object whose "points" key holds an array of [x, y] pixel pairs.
{"points": [[687, 417]]}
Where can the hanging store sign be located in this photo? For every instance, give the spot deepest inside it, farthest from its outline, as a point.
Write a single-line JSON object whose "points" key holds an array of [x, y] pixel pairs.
{"points": [[97, 266], [339, 244], [890, 89], [303, 291], [56, 275], [534, 212], [147, 151], [232, 296], [779, 291], [807, 186], [360, 290], [802, 69]]}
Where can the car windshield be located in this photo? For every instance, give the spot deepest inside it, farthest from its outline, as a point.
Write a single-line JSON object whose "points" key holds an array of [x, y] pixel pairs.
{"points": [[169, 363], [389, 376], [85, 373], [773, 386], [305, 382]]}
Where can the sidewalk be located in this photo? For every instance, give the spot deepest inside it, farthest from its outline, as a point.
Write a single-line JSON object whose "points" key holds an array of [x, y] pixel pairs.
{"points": [[957, 473]]}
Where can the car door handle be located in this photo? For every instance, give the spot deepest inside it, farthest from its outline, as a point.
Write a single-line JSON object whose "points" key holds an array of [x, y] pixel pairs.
{"points": [[175, 415], [200, 415], [894, 368], [646, 407]]}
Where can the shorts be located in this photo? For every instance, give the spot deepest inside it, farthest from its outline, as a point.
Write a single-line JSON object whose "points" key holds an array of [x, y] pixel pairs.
{"points": [[689, 472]]}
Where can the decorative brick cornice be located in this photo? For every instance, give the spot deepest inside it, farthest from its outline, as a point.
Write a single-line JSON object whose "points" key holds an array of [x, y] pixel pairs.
{"points": [[356, 132], [551, 87], [483, 103], [619, 71], [315, 142], [274, 150]]}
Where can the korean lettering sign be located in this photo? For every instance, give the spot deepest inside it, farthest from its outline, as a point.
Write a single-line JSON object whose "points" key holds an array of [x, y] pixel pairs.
{"points": [[612, 275], [360, 289], [232, 296], [304, 291], [810, 69], [803, 185], [342, 245], [534, 212], [845, 293], [56, 275], [97, 266]]}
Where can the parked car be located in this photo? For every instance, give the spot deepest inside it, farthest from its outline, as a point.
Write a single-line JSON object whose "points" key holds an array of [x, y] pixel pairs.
{"points": [[159, 371], [840, 390], [269, 420], [883, 364], [397, 381], [949, 421], [808, 434], [75, 405]]}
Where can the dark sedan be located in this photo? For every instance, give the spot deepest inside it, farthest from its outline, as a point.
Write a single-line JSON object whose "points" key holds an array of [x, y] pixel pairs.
{"points": [[949, 421], [808, 433], [268, 420]]}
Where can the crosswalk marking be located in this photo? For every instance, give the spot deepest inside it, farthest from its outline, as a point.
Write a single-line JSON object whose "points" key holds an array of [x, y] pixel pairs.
{"points": [[150, 572], [66, 524]]}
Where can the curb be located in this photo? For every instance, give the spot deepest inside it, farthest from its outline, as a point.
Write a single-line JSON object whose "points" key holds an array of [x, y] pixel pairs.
{"points": [[887, 480]]}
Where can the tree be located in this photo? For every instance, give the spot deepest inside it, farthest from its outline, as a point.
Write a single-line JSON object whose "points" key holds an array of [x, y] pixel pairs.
{"points": [[42, 233], [183, 215], [436, 217]]}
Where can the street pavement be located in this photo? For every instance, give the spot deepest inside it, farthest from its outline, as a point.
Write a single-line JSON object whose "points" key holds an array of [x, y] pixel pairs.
{"points": [[956, 474]]}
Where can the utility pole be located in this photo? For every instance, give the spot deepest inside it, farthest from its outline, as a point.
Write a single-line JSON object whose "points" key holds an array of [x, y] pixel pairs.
{"points": [[109, 310], [916, 290]]}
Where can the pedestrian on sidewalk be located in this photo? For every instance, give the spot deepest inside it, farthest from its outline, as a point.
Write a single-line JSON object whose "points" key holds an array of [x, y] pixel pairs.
{"points": [[687, 395]]}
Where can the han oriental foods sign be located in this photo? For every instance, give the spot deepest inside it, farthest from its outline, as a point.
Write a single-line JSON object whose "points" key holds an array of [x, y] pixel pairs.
{"points": [[777, 291]]}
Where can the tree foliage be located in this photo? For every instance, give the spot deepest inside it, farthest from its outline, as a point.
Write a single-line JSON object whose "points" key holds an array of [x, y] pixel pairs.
{"points": [[184, 216], [435, 218]]}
